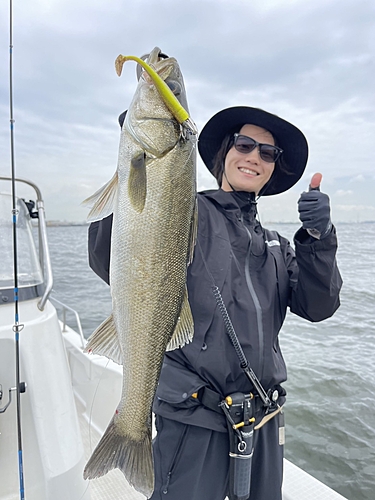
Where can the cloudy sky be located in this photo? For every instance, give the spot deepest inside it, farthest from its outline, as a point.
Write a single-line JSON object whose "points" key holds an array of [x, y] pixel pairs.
{"points": [[310, 61]]}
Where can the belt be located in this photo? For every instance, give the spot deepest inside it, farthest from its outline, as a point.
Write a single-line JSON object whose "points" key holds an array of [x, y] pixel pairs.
{"points": [[212, 399]]}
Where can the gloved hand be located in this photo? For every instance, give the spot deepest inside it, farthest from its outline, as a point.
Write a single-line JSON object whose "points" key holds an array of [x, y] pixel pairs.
{"points": [[314, 210]]}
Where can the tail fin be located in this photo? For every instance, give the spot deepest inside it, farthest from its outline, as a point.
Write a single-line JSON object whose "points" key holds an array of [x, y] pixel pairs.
{"points": [[133, 458]]}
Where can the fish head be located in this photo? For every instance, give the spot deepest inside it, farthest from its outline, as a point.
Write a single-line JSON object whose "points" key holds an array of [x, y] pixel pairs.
{"points": [[148, 120]]}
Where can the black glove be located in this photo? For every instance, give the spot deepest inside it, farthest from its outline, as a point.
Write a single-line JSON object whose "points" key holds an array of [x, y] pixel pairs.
{"points": [[314, 213]]}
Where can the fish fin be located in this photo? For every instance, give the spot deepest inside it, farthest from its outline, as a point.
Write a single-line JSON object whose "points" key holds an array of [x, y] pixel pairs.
{"points": [[133, 458], [102, 201], [104, 341], [184, 331], [137, 183], [193, 232]]}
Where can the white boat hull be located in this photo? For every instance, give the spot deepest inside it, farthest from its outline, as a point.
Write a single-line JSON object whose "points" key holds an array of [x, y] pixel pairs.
{"points": [[53, 454]]}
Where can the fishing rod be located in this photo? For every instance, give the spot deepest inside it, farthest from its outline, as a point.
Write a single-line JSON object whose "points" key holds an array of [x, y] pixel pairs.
{"points": [[17, 326]]}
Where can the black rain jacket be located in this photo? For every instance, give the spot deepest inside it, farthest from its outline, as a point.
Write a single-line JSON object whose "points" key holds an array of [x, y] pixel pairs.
{"points": [[259, 275]]}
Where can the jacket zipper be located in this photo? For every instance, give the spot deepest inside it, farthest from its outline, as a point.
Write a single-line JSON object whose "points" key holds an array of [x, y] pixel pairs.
{"points": [[257, 305], [174, 461]]}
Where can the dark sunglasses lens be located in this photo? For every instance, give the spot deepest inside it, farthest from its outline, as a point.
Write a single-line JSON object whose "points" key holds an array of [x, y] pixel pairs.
{"points": [[244, 144], [268, 153]]}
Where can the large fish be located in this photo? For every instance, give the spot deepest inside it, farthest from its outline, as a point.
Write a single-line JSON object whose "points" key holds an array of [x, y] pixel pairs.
{"points": [[153, 199]]}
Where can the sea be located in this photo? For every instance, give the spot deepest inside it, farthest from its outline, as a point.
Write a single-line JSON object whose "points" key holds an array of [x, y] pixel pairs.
{"points": [[330, 409]]}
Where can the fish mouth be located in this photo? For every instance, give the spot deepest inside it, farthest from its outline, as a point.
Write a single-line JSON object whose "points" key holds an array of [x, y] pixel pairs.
{"points": [[152, 58], [157, 129], [167, 69]]}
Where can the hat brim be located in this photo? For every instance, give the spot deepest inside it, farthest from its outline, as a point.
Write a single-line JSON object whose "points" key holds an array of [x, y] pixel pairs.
{"points": [[289, 138]]}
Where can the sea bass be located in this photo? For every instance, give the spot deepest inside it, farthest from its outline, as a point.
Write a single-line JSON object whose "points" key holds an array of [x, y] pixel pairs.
{"points": [[153, 200]]}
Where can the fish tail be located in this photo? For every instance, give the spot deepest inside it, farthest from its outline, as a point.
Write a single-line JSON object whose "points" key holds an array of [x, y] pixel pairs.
{"points": [[133, 458]]}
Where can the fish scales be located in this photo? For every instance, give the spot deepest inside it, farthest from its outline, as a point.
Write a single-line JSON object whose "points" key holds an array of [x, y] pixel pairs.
{"points": [[148, 303], [153, 233]]}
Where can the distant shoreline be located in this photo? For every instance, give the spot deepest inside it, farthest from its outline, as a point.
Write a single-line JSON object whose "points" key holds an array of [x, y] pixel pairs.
{"points": [[58, 223]]}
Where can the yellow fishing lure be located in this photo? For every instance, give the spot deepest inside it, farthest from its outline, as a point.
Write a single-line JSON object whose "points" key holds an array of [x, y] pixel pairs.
{"points": [[178, 111]]}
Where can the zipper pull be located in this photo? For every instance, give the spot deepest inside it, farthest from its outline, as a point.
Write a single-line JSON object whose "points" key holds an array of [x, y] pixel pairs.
{"points": [[165, 489]]}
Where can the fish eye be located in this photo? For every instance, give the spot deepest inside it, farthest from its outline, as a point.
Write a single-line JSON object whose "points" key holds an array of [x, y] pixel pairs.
{"points": [[174, 86]]}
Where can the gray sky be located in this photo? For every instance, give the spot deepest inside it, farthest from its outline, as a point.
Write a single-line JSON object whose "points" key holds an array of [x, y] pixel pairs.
{"points": [[310, 61]]}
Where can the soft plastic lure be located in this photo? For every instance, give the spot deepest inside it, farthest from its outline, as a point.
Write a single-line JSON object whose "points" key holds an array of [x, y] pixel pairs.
{"points": [[171, 101]]}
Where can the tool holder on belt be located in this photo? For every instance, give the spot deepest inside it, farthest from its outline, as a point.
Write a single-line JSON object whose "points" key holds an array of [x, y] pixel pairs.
{"points": [[239, 410]]}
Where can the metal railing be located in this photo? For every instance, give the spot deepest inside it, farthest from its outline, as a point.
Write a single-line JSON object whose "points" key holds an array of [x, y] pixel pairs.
{"points": [[66, 308], [44, 257], [45, 261]]}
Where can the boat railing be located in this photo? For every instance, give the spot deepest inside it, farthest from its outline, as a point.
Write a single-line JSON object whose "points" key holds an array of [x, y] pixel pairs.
{"points": [[44, 257], [66, 308]]}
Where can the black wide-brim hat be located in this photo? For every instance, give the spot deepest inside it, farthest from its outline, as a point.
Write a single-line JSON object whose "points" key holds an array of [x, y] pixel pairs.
{"points": [[288, 137]]}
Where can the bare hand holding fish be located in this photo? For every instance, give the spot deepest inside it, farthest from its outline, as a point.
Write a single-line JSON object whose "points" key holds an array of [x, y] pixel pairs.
{"points": [[153, 200]]}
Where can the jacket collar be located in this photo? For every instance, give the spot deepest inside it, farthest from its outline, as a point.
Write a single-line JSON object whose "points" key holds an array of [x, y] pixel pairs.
{"points": [[236, 202]]}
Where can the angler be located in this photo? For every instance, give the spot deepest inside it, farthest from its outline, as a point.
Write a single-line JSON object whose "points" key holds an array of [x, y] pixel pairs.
{"points": [[240, 284]]}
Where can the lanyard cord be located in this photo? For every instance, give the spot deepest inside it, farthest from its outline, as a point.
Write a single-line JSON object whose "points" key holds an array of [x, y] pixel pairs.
{"points": [[17, 327], [233, 337]]}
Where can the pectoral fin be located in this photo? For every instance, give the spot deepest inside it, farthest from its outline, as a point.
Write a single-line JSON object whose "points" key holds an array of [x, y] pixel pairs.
{"points": [[102, 201], [184, 330], [137, 183]]}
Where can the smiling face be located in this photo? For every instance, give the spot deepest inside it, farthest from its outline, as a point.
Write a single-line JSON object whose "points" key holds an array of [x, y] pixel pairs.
{"points": [[248, 172]]}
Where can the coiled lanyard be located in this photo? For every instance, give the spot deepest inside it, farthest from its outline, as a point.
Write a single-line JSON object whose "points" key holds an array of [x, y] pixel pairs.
{"points": [[229, 328]]}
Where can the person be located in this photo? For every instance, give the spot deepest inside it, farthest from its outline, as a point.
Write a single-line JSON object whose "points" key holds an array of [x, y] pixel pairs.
{"points": [[250, 275]]}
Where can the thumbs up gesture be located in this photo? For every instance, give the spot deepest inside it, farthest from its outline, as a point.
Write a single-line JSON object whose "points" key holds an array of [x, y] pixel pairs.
{"points": [[314, 210]]}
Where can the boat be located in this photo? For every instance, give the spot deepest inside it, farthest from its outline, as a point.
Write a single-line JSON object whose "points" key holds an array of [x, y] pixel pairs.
{"points": [[67, 397]]}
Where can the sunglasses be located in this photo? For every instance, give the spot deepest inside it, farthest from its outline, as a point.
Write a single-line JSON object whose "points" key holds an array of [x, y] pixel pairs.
{"points": [[267, 152]]}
